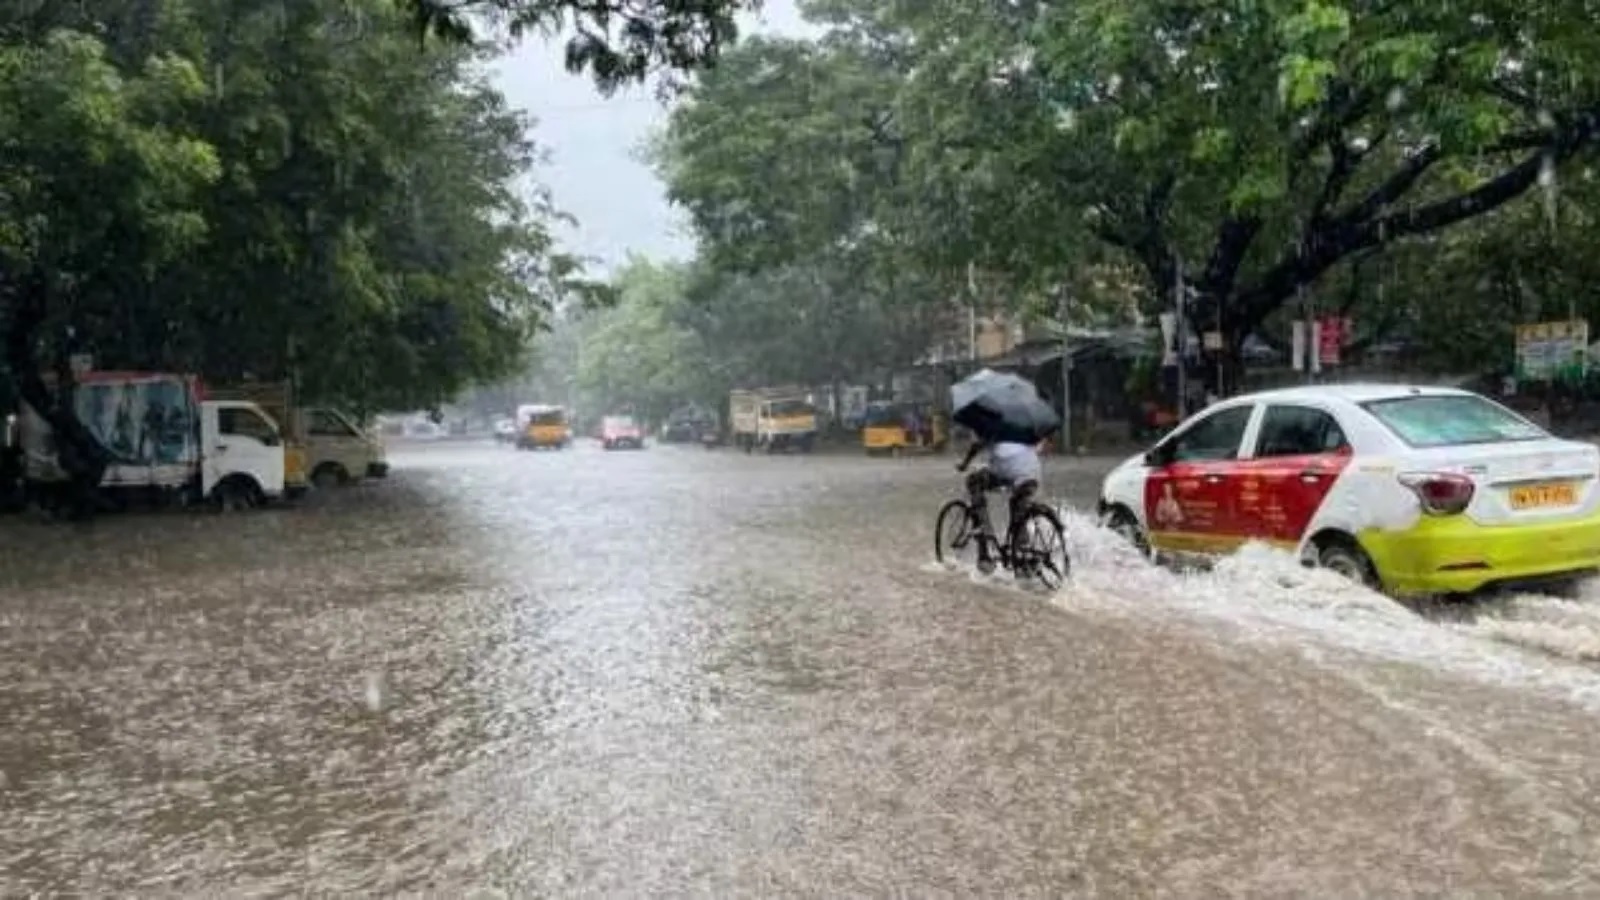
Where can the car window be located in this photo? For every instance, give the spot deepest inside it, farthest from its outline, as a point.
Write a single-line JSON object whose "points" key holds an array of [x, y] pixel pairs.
{"points": [[1298, 431], [1452, 420], [239, 422], [1215, 437], [325, 424]]}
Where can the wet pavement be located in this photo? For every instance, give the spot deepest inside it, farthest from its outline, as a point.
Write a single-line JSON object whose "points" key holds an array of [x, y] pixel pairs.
{"points": [[681, 672]]}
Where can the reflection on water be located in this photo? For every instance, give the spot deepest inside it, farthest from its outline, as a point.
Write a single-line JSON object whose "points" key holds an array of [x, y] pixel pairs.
{"points": [[681, 671]]}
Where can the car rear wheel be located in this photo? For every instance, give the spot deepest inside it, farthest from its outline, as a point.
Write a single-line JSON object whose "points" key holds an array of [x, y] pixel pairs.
{"points": [[1344, 557]]}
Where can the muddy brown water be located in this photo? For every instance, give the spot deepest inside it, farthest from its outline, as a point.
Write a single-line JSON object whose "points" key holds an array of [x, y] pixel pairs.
{"points": [[681, 672]]}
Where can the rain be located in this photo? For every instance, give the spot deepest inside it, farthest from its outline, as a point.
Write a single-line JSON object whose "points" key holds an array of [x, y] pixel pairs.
{"points": [[798, 449]]}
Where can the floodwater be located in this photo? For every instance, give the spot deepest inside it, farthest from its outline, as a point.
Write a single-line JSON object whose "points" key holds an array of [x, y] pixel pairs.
{"points": [[681, 672]]}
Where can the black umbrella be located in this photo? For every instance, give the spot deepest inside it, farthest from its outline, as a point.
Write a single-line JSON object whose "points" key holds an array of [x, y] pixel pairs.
{"points": [[1002, 407]]}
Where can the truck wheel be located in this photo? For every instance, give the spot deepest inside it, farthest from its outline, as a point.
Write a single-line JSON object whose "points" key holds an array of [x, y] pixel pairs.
{"points": [[233, 495], [329, 476]]}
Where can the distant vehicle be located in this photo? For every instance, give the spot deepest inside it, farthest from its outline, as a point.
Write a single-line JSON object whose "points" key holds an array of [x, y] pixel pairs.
{"points": [[1412, 490], [542, 426], [423, 430], [773, 419], [887, 429], [688, 424], [505, 430], [621, 433]]}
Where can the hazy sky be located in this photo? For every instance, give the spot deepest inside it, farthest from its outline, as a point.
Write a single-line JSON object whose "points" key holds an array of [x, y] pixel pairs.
{"points": [[619, 203]]}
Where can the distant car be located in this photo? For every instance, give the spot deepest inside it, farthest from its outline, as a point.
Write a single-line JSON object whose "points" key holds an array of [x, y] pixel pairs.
{"points": [[1412, 490], [505, 430], [621, 432]]}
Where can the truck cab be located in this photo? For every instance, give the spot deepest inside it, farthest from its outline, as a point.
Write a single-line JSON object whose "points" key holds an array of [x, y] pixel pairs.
{"points": [[337, 450], [242, 455]]}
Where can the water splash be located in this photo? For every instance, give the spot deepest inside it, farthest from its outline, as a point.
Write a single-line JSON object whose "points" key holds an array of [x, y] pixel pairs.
{"points": [[1263, 595]]}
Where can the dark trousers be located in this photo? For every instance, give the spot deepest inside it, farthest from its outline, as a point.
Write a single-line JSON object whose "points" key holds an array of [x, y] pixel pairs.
{"points": [[982, 481]]}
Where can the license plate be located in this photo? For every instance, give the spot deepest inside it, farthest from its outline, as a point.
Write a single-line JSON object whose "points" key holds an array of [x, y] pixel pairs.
{"points": [[1539, 496]]}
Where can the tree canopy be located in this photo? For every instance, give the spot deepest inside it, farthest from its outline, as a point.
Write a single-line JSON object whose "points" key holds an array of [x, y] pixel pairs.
{"points": [[252, 189], [614, 43], [1259, 151]]}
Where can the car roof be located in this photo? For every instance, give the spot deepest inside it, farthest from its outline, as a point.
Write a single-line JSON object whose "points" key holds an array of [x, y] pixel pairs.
{"points": [[1350, 393]]}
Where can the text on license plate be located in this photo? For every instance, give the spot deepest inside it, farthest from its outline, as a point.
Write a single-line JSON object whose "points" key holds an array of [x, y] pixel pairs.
{"points": [[1536, 496]]}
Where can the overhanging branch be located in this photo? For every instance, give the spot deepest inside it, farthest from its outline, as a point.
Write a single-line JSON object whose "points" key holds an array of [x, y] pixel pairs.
{"points": [[1351, 232]]}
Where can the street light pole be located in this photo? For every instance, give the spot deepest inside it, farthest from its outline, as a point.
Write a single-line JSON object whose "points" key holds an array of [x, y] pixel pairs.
{"points": [[1183, 338], [1066, 376]]}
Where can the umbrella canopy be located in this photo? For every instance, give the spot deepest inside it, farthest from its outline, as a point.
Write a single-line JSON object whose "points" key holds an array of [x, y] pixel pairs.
{"points": [[1002, 407]]}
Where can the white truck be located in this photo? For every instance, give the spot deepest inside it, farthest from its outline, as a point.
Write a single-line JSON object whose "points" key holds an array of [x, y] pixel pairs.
{"points": [[323, 446], [773, 419], [165, 438]]}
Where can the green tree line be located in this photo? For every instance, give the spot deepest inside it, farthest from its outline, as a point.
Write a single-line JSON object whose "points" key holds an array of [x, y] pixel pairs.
{"points": [[1423, 168], [328, 190]]}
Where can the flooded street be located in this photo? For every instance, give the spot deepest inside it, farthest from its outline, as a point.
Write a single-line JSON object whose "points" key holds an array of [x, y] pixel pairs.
{"points": [[680, 672]]}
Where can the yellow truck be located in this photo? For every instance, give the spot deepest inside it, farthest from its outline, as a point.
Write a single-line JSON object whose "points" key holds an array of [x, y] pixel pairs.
{"points": [[773, 419], [542, 426]]}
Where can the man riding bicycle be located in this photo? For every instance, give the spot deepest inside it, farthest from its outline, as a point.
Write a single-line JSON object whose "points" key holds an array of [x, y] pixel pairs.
{"points": [[1010, 464]]}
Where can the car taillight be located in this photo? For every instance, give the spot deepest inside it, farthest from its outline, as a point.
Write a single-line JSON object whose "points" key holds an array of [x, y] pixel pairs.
{"points": [[1441, 493]]}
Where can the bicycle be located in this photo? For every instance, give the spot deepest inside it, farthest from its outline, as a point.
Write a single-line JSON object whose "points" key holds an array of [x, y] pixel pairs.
{"points": [[1035, 548]]}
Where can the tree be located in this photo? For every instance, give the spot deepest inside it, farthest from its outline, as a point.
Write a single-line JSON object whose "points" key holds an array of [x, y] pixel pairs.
{"points": [[639, 356], [326, 202], [96, 190], [824, 154], [789, 164], [615, 43], [1264, 144]]}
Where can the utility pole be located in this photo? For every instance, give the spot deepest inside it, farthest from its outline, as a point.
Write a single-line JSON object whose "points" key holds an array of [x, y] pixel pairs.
{"points": [[1066, 374], [972, 315], [1183, 338], [1222, 350]]}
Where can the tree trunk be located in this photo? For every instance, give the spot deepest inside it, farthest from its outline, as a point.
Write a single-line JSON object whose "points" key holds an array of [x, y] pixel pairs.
{"points": [[80, 454]]}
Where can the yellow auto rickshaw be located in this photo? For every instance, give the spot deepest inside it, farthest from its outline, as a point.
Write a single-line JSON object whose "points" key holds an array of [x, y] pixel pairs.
{"points": [[543, 427], [895, 428]]}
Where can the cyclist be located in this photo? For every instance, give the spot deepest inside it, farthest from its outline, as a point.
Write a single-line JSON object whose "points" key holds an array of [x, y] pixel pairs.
{"points": [[1010, 464]]}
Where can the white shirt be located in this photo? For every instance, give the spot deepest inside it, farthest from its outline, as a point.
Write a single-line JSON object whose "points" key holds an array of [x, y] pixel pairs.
{"points": [[1015, 463]]}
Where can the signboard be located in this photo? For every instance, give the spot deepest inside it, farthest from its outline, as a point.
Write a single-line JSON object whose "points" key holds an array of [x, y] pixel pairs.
{"points": [[1333, 333], [1547, 350], [1213, 341]]}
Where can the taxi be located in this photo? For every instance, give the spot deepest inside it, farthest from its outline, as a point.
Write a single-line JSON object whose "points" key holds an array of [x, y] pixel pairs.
{"points": [[1411, 490]]}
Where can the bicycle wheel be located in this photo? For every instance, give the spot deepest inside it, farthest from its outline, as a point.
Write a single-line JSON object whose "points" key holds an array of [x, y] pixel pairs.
{"points": [[955, 541], [1039, 548]]}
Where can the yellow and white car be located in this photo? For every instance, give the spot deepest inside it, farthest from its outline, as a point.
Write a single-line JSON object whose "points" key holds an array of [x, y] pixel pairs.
{"points": [[1415, 490]]}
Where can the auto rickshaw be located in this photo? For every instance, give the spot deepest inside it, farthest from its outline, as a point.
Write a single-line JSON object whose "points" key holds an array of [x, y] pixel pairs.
{"points": [[896, 428], [545, 427]]}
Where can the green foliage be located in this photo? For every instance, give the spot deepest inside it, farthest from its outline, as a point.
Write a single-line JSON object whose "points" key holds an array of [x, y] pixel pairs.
{"points": [[1264, 145], [244, 188], [615, 43]]}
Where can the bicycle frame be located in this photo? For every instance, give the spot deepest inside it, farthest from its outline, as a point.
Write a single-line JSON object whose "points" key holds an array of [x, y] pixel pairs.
{"points": [[1002, 550]]}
